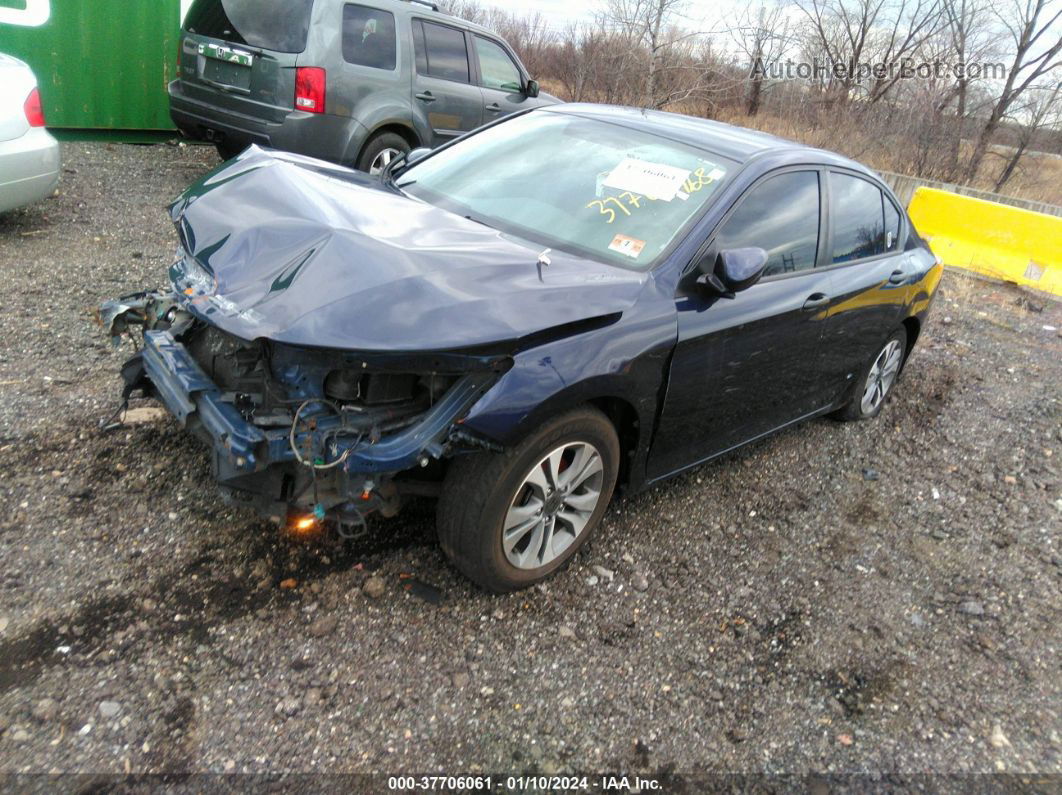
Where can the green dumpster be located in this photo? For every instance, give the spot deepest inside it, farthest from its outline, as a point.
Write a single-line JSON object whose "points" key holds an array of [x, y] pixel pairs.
{"points": [[102, 65]]}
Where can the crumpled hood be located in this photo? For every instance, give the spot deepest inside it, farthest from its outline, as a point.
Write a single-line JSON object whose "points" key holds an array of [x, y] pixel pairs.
{"points": [[296, 250]]}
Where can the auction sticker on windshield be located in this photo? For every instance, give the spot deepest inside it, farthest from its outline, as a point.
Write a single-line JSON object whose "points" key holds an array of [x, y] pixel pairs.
{"points": [[656, 180]]}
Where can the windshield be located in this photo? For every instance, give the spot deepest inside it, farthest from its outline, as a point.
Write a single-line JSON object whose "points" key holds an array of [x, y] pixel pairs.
{"points": [[572, 183], [279, 25]]}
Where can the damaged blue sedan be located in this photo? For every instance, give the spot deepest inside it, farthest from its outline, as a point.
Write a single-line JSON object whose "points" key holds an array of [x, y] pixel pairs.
{"points": [[567, 300]]}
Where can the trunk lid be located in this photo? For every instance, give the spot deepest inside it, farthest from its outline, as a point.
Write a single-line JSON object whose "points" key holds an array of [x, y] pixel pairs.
{"points": [[296, 250], [240, 55]]}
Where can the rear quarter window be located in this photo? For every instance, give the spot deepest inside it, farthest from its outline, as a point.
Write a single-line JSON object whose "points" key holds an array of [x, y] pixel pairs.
{"points": [[368, 37], [278, 25]]}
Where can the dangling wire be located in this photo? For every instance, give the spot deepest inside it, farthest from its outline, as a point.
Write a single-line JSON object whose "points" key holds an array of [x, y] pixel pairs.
{"points": [[294, 448]]}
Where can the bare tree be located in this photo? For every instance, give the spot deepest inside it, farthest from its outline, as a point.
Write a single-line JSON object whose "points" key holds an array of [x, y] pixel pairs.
{"points": [[762, 34], [868, 40], [840, 30], [967, 39], [652, 27], [1042, 110], [908, 24], [1036, 35]]}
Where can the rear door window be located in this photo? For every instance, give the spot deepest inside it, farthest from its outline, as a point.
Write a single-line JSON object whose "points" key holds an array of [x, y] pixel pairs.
{"points": [[781, 216], [857, 217], [496, 68], [278, 25], [444, 52], [368, 37]]}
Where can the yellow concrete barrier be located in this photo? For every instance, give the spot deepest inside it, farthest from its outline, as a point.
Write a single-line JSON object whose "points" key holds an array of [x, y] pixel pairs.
{"points": [[994, 239]]}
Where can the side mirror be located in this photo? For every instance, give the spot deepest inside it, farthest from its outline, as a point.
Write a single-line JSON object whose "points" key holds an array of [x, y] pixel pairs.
{"points": [[402, 162], [734, 270], [417, 154], [531, 89]]}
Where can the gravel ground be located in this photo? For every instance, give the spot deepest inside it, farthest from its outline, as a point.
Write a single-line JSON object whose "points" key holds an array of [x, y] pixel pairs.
{"points": [[879, 597]]}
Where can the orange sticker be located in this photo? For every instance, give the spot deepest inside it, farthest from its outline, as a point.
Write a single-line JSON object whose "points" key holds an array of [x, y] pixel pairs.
{"points": [[628, 246]]}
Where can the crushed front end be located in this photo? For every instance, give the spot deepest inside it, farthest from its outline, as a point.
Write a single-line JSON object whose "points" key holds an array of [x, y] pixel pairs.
{"points": [[303, 434]]}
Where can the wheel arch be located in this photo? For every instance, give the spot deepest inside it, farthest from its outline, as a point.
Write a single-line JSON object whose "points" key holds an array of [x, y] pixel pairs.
{"points": [[913, 327], [607, 396], [397, 127], [624, 418]]}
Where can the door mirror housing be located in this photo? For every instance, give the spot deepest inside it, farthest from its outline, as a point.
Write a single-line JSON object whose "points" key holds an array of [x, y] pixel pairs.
{"points": [[402, 162], [417, 154], [531, 89], [733, 270]]}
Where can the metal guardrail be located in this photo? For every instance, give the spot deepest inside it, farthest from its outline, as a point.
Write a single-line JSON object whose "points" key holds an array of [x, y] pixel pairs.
{"points": [[904, 187]]}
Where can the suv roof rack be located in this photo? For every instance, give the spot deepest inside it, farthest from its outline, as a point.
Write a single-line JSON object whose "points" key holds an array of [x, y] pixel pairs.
{"points": [[428, 3]]}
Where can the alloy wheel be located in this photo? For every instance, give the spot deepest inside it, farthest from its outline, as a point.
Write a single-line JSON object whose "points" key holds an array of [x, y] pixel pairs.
{"points": [[881, 376], [383, 159], [553, 505]]}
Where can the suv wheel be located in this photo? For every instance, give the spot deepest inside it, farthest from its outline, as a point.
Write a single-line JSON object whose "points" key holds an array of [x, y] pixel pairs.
{"points": [[227, 150], [380, 151], [509, 520]]}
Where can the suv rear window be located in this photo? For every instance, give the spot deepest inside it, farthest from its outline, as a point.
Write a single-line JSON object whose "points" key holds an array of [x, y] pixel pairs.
{"points": [[279, 25], [368, 37]]}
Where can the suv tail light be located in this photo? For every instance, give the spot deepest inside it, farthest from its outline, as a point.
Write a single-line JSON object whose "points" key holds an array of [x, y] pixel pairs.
{"points": [[33, 109], [310, 89]]}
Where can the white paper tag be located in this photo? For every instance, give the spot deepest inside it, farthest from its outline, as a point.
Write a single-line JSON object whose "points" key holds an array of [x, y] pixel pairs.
{"points": [[656, 180]]}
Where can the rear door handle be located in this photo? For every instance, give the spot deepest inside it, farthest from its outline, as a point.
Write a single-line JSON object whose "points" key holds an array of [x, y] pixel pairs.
{"points": [[493, 107], [898, 277], [426, 96], [815, 300]]}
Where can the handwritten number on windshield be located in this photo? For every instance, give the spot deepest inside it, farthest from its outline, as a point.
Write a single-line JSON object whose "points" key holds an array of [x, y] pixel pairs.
{"points": [[603, 209]]}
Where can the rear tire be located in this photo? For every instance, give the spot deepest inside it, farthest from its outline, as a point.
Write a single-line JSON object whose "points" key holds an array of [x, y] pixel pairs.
{"points": [[876, 380], [509, 520], [380, 150]]}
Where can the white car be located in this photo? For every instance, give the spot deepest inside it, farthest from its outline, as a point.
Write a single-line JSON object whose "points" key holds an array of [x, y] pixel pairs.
{"points": [[29, 155]]}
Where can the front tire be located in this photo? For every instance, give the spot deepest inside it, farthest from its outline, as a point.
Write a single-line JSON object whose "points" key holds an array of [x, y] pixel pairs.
{"points": [[876, 380], [510, 520]]}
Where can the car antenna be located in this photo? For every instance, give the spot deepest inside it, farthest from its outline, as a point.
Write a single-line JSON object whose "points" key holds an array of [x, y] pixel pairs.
{"points": [[543, 258]]}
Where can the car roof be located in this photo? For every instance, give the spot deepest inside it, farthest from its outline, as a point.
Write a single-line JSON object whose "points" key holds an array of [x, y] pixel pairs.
{"points": [[737, 143], [427, 12]]}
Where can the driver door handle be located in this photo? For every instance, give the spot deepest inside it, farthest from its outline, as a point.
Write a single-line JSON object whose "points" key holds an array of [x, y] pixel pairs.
{"points": [[493, 107], [815, 300], [898, 277], [426, 96]]}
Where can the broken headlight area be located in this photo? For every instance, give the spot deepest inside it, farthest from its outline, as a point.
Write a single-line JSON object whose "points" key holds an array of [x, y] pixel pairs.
{"points": [[304, 434], [144, 311]]}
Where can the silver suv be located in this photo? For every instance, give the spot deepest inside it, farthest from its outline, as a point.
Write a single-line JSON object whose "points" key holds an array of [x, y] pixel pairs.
{"points": [[356, 83]]}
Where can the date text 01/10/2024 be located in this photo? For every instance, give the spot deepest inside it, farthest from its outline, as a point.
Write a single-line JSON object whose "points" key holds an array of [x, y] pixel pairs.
{"points": [[606, 783]]}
